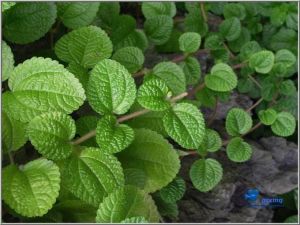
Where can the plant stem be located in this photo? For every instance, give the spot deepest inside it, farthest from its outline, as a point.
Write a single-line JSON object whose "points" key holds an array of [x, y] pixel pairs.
{"points": [[228, 50], [212, 118], [255, 81], [199, 87], [202, 7], [92, 133], [11, 158], [238, 66], [255, 104]]}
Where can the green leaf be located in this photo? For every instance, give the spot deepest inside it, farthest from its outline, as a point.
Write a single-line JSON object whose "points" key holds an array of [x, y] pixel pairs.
{"points": [[292, 21], [238, 43], [268, 90], [138, 219], [166, 209], [111, 88], [172, 45], [194, 22], [189, 42], [130, 57], [85, 46], [126, 203], [51, 133], [111, 136], [288, 88], [7, 5], [152, 154], [32, 189], [238, 151], [153, 95], [262, 61], [107, 12], [192, 70], [13, 133], [135, 177], [173, 75], [153, 9], [28, 21], [212, 141], [245, 85], [136, 38], [81, 73], [77, 14], [230, 28], [206, 174], [234, 10], [174, 191], [286, 57], [284, 125], [8, 61], [158, 29], [238, 122], [268, 116], [84, 125], [41, 85], [185, 124], [248, 49], [284, 39], [221, 78], [91, 175], [291, 219], [213, 41]]}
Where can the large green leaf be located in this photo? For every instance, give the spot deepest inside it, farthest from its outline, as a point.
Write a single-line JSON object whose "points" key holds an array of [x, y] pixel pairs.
{"points": [[13, 133], [125, 203], [51, 134], [151, 153], [41, 85], [238, 122], [28, 21], [230, 28], [284, 125], [111, 136], [189, 42], [122, 26], [238, 151], [262, 61], [32, 189], [206, 174], [111, 88], [174, 191], [222, 78], [77, 14], [153, 9], [85, 46], [185, 124], [8, 61], [91, 175]]}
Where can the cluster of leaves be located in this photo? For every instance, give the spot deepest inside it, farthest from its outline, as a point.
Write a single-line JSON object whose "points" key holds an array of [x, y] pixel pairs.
{"points": [[123, 168]]}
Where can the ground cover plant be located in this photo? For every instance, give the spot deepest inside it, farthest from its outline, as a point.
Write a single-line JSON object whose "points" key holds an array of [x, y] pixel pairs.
{"points": [[92, 133]]}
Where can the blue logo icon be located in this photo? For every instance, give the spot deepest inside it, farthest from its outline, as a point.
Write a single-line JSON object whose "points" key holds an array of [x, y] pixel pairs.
{"points": [[251, 194], [252, 197]]}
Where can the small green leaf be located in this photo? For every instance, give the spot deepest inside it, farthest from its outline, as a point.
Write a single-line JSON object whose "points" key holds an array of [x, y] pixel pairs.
{"points": [[8, 61], [85, 46], [248, 49], [212, 141], [137, 219], [166, 209], [107, 13], [111, 88], [238, 151], [194, 22], [189, 42], [192, 70], [130, 57], [185, 124], [222, 78], [153, 95], [267, 117], [174, 191], [238, 122], [206, 174], [213, 41], [284, 125], [291, 219], [287, 87], [111, 136], [51, 133], [136, 38], [262, 61], [91, 175], [153, 9], [126, 203], [122, 26], [158, 29], [230, 28], [84, 125], [32, 189], [7, 5], [234, 10], [286, 57], [152, 154]]}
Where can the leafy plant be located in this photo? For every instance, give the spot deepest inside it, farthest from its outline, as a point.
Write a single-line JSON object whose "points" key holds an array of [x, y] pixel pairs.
{"points": [[119, 160]]}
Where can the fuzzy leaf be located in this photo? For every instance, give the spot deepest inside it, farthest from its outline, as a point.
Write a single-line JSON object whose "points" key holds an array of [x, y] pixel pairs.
{"points": [[84, 125], [153, 95], [194, 22], [174, 191], [189, 42], [212, 141], [172, 74], [85, 46], [122, 26], [91, 175], [137, 219], [284, 125], [41, 85], [135, 38], [28, 21], [8, 61], [185, 124], [153, 9], [288, 88], [248, 49], [222, 78], [51, 133], [206, 174], [230, 28], [238, 151], [111, 88], [286, 57], [234, 10], [130, 57], [77, 14], [267, 117], [158, 29], [113, 137], [152, 154], [126, 203], [135, 177], [192, 70], [238, 122], [32, 189], [262, 61]]}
